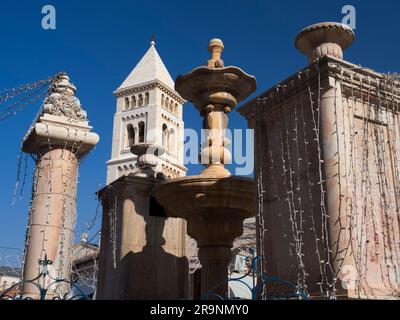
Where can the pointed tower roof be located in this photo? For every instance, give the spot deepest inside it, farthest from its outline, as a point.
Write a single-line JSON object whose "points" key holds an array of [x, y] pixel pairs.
{"points": [[149, 68]]}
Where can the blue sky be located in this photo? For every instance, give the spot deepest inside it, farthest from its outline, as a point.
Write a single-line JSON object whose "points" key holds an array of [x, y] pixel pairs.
{"points": [[99, 42]]}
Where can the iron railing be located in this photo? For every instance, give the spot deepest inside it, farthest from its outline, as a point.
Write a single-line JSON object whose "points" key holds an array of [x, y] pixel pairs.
{"points": [[39, 282], [260, 282]]}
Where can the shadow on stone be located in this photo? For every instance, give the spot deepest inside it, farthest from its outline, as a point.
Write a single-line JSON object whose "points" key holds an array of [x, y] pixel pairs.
{"points": [[154, 273]]}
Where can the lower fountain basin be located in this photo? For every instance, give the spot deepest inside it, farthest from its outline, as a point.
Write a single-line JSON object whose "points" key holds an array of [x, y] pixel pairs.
{"points": [[214, 207]]}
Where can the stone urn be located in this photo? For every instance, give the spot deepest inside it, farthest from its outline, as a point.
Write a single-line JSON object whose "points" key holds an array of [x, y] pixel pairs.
{"points": [[324, 38], [147, 161]]}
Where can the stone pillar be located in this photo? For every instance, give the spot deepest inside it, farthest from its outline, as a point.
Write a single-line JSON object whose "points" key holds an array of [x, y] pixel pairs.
{"points": [[143, 253], [317, 41], [59, 139], [333, 135]]}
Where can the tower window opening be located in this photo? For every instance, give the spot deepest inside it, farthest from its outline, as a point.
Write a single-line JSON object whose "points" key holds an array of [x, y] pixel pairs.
{"points": [[131, 136], [126, 106], [167, 103], [140, 100], [141, 131], [146, 98], [171, 141], [165, 136]]}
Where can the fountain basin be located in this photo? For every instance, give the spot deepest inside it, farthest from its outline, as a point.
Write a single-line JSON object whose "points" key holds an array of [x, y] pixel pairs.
{"points": [[214, 207], [226, 86]]}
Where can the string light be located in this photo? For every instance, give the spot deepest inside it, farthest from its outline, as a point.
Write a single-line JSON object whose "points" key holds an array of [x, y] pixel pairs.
{"points": [[24, 96]]}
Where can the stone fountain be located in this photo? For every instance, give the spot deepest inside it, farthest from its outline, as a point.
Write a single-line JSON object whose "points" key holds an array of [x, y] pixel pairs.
{"points": [[214, 203]]}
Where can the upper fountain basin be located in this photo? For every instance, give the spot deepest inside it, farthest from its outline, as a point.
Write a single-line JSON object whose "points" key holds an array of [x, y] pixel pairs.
{"points": [[226, 86]]}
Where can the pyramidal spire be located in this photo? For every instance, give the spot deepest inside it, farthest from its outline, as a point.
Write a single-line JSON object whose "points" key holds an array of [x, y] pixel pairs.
{"points": [[150, 68]]}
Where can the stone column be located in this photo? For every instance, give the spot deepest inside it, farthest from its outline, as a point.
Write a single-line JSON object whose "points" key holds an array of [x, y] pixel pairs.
{"points": [[333, 142], [58, 139], [317, 41]]}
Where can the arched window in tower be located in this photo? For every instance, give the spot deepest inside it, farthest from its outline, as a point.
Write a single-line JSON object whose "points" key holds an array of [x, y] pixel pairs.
{"points": [[165, 136], [167, 103], [130, 135], [176, 109], [133, 103], [141, 131], [146, 98], [126, 105], [162, 100], [171, 105], [140, 100], [171, 141]]}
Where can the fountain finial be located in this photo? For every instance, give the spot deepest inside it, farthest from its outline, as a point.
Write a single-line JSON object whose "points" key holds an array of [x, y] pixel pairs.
{"points": [[215, 90], [215, 47]]}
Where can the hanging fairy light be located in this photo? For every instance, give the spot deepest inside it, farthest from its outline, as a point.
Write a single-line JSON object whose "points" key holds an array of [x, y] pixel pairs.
{"points": [[367, 162], [12, 101]]}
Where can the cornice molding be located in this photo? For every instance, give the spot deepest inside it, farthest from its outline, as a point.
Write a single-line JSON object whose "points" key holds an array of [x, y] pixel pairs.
{"points": [[147, 86], [321, 72], [140, 184]]}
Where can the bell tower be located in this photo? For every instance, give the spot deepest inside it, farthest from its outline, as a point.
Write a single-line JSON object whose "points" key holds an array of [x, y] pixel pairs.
{"points": [[148, 110]]}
